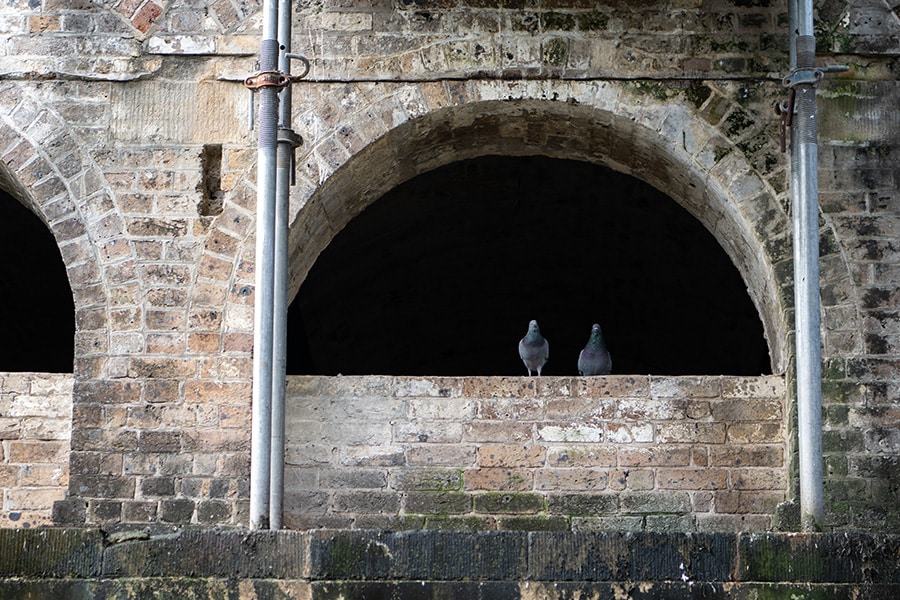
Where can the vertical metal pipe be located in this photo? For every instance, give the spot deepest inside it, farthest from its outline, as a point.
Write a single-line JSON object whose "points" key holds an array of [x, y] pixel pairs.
{"points": [[284, 171], [806, 276], [260, 450]]}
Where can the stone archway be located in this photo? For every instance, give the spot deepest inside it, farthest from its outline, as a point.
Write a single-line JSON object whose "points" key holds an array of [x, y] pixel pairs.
{"points": [[680, 154]]}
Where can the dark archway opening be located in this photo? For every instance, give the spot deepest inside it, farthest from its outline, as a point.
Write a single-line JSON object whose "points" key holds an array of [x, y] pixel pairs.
{"points": [[37, 315], [442, 274]]}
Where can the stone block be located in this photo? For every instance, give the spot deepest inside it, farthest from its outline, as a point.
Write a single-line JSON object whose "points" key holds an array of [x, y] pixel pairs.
{"points": [[419, 555], [655, 502], [50, 553], [366, 502], [509, 503], [210, 553], [437, 503]]}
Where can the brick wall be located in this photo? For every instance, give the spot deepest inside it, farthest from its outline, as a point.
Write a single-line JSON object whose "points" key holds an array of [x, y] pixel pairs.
{"points": [[107, 111], [555, 453], [35, 423]]}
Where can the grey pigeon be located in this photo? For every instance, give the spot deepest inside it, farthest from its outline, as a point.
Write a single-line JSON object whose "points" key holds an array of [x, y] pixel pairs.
{"points": [[594, 359], [534, 350]]}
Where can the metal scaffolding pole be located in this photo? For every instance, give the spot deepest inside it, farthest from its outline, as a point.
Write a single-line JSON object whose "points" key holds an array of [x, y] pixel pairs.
{"points": [[260, 450], [805, 193], [287, 142]]}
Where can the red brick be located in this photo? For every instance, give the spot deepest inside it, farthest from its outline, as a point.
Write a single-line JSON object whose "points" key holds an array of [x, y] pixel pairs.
{"points": [[144, 18]]}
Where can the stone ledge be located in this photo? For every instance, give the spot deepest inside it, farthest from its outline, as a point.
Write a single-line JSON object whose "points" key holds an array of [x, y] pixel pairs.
{"points": [[718, 560]]}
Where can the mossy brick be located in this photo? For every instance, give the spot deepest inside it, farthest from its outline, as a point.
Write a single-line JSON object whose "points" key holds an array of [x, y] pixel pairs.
{"points": [[427, 480], [179, 510], [366, 501], [461, 522], [583, 504], [511, 503], [534, 523], [214, 512], [437, 503], [842, 440]]}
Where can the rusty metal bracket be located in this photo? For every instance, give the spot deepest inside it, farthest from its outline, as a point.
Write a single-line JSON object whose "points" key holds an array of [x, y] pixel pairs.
{"points": [[267, 79], [785, 109], [276, 79]]}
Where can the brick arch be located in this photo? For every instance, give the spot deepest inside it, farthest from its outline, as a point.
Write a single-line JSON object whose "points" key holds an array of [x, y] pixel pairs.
{"points": [[661, 142], [45, 167]]}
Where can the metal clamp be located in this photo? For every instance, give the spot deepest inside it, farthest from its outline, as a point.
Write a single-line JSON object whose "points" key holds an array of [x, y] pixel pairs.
{"points": [[810, 76], [801, 76], [267, 79], [276, 79]]}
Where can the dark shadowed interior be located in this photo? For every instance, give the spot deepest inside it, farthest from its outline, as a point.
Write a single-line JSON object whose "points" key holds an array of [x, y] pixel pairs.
{"points": [[37, 315], [442, 275]]}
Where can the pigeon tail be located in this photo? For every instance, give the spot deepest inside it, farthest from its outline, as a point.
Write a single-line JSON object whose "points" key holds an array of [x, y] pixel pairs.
{"points": [[534, 350]]}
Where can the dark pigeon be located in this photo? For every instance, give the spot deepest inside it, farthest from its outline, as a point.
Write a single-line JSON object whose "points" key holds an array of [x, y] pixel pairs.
{"points": [[534, 350], [594, 359]]}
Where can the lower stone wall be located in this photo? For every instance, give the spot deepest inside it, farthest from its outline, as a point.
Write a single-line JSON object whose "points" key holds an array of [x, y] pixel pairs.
{"points": [[622, 453], [35, 428], [498, 565]]}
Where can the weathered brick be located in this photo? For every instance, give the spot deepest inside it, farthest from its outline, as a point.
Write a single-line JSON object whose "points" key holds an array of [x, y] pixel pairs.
{"points": [[367, 502], [159, 441], [692, 479], [506, 455], [437, 503], [441, 455], [655, 502], [576, 479], [584, 455], [497, 431], [660, 456], [498, 479], [509, 503]]}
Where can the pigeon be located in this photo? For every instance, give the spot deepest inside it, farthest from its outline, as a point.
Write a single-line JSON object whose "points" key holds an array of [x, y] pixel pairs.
{"points": [[534, 350], [594, 359]]}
